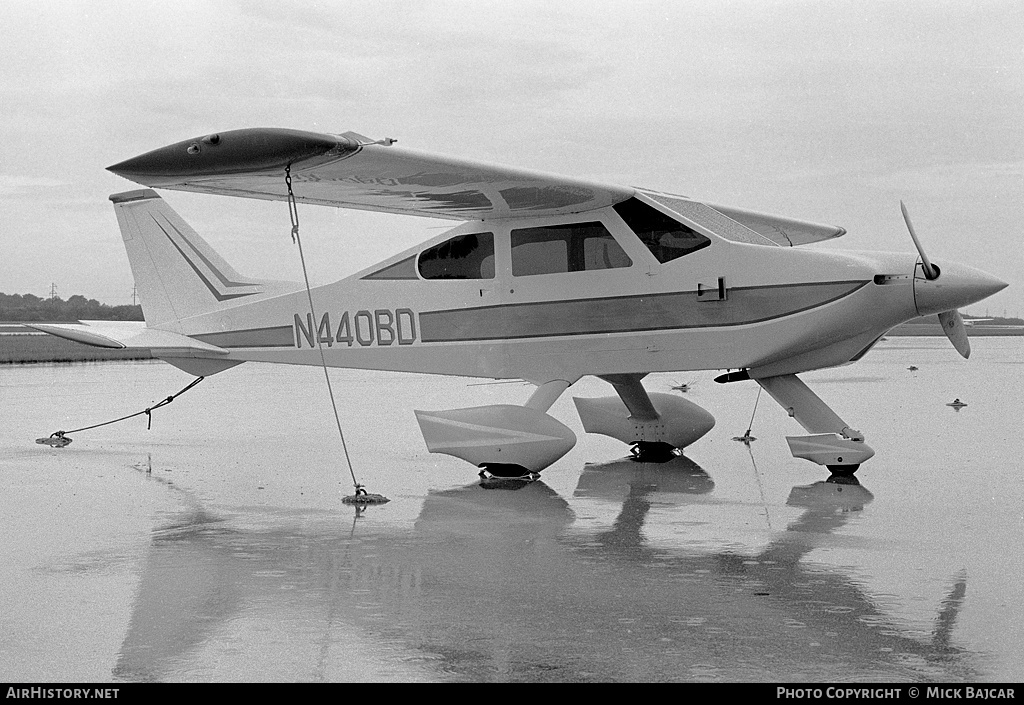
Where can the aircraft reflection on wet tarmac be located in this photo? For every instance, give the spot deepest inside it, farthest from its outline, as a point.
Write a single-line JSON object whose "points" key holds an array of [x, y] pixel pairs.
{"points": [[494, 582]]}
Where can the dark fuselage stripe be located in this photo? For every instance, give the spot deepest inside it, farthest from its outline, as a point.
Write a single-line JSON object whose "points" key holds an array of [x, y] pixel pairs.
{"points": [[276, 337], [628, 314]]}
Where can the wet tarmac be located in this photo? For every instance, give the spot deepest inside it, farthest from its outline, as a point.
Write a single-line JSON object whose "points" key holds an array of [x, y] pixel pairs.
{"points": [[214, 547]]}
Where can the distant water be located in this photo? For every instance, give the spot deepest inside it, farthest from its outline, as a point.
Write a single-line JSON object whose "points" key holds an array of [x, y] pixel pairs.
{"points": [[214, 547]]}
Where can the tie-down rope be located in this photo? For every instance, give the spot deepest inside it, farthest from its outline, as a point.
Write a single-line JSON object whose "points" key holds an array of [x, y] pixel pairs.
{"points": [[59, 439], [360, 496]]}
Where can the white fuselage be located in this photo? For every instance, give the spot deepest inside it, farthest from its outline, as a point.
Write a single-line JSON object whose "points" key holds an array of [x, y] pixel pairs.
{"points": [[784, 310]]}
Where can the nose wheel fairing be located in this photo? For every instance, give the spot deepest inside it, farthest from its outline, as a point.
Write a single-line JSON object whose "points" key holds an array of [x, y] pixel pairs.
{"points": [[832, 442]]}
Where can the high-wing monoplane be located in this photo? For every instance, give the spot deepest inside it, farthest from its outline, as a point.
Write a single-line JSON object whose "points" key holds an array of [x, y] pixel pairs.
{"points": [[546, 279]]}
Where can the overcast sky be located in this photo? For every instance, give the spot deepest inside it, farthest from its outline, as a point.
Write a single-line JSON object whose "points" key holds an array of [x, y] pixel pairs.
{"points": [[828, 111]]}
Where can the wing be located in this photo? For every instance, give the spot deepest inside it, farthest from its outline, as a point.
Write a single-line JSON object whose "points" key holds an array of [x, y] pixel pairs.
{"points": [[351, 171], [784, 231], [748, 226]]}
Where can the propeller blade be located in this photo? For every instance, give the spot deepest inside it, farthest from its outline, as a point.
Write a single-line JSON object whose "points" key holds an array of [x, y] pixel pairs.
{"points": [[954, 328], [929, 270]]}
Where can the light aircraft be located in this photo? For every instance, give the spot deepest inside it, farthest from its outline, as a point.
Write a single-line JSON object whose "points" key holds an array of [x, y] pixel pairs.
{"points": [[547, 279]]}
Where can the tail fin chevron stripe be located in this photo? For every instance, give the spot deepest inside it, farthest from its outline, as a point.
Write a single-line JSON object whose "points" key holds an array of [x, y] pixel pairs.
{"points": [[178, 275], [225, 283]]}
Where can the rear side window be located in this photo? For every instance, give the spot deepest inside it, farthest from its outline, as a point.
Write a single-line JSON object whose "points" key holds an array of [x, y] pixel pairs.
{"points": [[463, 257], [575, 247], [665, 237]]}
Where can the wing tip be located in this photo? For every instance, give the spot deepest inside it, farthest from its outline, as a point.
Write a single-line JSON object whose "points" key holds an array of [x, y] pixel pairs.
{"points": [[141, 194]]}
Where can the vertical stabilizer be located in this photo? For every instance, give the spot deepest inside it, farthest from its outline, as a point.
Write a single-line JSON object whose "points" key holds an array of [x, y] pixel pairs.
{"points": [[178, 275]]}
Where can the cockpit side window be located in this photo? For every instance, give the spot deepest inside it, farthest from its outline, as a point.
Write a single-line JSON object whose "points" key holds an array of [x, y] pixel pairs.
{"points": [[575, 247], [463, 257], [665, 237]]}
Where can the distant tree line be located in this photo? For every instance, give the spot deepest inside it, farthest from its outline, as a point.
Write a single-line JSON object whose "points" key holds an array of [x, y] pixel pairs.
{"points": [[995, 320], [27, 307]]}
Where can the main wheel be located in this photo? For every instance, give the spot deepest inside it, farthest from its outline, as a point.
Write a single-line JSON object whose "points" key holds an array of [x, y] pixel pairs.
{"points": [[653, 452], [506, 470]]}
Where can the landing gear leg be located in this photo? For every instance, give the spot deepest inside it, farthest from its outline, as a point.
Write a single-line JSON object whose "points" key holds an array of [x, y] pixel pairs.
{"points": [[832, 443]]}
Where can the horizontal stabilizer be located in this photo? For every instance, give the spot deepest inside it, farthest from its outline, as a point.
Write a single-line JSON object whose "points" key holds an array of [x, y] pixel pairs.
{"points": [[187, 354], [134, 336]]}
